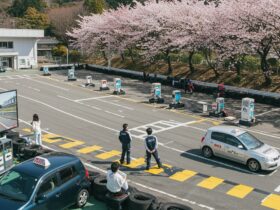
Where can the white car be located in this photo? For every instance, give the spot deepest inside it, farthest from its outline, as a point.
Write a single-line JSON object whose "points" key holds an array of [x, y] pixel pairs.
{"points": [[240, 146]]}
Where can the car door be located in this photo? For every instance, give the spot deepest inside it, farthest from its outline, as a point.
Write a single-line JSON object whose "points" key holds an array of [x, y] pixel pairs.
{"points": [[48, 194], [217, 143], [234, 149], [70, 184]]}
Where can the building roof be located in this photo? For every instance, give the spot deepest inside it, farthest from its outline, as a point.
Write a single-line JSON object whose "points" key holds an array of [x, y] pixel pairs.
{"points": [[21, 33], [48, 40]]}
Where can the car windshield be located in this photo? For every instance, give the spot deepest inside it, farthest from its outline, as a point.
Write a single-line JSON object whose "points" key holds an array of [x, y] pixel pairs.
{"points": [[250, 141], [17, 185]]}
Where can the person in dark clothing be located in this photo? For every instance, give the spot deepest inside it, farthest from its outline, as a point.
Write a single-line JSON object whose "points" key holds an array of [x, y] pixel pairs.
{"points": [[151, 145], [125, 140]]}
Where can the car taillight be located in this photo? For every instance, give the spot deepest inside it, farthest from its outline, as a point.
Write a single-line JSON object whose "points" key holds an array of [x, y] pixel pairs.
{"points": [[202, 139], [87, 174]]}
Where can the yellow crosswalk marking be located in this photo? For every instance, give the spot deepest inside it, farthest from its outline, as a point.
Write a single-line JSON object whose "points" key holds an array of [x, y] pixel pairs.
{"points": [[155, 170], [71, 144], [136, 163], [51, 138], [210, 183], [107, 155], [90, 149], [272, 201], [182, 176], [28, 130], [240, 191]]}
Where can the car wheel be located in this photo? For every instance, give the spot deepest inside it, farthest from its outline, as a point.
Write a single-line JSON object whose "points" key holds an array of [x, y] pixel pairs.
{"points": [[171, 206], [207, 152], [82, 198], [253, 165]]}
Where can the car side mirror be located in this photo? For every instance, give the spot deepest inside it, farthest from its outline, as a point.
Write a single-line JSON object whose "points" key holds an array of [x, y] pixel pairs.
{"points": [[240, 146]]}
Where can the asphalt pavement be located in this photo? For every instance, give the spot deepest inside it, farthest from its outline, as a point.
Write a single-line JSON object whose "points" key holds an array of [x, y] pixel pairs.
{"points": [[86, 121]]}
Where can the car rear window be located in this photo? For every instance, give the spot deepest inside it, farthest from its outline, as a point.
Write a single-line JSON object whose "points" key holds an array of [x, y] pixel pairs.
{"points": [[67, 174]]}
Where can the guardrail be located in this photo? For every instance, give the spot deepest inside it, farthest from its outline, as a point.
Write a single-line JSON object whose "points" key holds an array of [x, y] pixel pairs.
{"points": [[205, 87], [54, 67]]}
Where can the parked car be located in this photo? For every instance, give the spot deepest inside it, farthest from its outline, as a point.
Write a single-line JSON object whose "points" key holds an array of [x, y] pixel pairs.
{"points": [[240, 146], [51, 181], [2, 69]]}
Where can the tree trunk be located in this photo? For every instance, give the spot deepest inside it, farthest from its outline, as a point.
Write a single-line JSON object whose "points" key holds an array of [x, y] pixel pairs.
{"points": [[122, 56], [190, 62], [131, 55], [237, 65], [207, 55], [104, 56], [264, 65], [168, 58]]}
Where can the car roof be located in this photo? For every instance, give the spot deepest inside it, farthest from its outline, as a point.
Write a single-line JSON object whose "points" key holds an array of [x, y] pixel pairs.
{"points": [[56, 159], [234, 131]]}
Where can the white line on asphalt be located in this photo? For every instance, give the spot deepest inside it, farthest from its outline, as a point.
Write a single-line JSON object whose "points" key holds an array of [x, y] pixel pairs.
{"points": [[92, 98], [136, 183], [34, 89], [65, 98], [277, 189], [45, 83], [69, 114], [273, 110], [114, 114], [108, 102], [262, 133]]}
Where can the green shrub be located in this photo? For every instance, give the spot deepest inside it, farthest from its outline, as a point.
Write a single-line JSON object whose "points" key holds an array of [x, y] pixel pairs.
{"points": [[197, 58], [251, 63]]}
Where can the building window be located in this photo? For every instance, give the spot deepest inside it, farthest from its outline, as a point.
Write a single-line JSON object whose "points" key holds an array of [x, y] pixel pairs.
{"points": [[7, 45], [22, 61]]}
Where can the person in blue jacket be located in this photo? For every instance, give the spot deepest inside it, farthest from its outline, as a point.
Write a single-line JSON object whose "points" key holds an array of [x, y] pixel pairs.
{"points": [[151, 145]]}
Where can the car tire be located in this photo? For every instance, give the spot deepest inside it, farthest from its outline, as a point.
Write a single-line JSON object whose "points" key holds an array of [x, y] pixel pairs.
{"points": [[253, 165], [99, 188], [82, 198], [140, 201], [207, 152], [172, 206]]}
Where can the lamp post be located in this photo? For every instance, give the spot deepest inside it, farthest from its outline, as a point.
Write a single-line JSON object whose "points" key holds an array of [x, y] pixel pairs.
{"points": [[67, 55]]}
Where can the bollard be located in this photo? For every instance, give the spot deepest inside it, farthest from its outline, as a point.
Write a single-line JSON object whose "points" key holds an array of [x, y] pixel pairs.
{"points": [[176, 102], [46, 71], [118, 87], [156, 93], [247, 112], [89, 82], [71, 74], [103, 85]]}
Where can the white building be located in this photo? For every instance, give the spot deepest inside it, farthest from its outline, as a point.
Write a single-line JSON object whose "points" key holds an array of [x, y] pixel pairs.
{"points": [[18, 47]]}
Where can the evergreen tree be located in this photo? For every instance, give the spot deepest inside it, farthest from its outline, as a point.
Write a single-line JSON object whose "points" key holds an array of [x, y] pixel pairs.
{"points": [[19, 7], [95, 6], [35, 19]]}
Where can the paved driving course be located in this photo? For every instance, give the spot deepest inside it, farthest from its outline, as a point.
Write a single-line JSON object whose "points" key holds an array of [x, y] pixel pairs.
{"points": [[86, 122]]}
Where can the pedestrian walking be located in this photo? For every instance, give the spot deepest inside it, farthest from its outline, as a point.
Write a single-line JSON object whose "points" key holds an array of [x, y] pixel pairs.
{"points": [[36, 128], [125, 139], [151, 145]]}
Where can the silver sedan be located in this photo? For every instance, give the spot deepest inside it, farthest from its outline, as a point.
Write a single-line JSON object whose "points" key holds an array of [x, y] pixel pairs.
{"points": [[239, 146]]}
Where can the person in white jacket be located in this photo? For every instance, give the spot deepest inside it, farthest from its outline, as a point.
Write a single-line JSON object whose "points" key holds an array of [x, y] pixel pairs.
{"points": [[36, 127], [116, 180]]}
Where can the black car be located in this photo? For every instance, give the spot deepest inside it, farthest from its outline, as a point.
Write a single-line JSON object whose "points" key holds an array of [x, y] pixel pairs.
{"points": [[51, 181]]}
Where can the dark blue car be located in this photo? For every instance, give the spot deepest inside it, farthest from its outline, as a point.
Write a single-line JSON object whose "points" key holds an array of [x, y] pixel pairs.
{"points": [[52, 181]]}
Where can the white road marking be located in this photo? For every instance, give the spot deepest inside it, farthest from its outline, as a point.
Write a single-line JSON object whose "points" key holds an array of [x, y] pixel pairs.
{"points": [[277, 189], [92, 98], [136, 183], [94, 107], [69, 114], [108, 102], [114, 114], [273, 110], [45, 83], [65, 98], [34, 89]]}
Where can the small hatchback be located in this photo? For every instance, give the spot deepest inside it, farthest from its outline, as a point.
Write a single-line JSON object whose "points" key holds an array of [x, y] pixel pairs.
{"points": [[51, 181], [240, 146]]}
